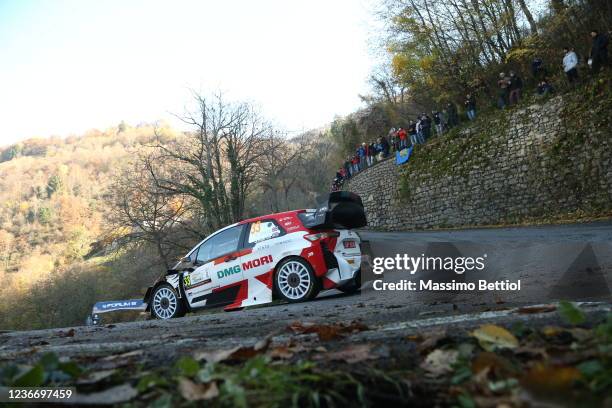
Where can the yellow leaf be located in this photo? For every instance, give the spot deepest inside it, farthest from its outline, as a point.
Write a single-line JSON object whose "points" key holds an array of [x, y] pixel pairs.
{"points": [[549, 378], [491, 337]]}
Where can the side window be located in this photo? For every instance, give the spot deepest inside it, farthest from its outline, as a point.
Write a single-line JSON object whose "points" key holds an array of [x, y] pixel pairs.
{"points": [[263, 230], [220, 244]]}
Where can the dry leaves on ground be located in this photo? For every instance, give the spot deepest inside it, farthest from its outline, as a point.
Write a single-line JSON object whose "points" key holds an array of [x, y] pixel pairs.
{"points": [[352, 354], [197, 392], [492, 337], [327, 332], [440, 362]]}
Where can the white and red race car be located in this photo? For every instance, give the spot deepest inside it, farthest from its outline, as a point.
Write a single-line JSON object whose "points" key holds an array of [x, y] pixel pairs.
{"points": [[291, 256]]}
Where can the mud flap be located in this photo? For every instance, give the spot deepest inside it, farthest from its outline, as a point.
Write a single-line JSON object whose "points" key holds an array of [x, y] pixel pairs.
{"points": [[342, 209], [367, 271]]}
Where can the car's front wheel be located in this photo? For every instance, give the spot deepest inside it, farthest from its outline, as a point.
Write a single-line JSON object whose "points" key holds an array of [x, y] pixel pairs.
{"points": [[165, 303], [295, 280]]}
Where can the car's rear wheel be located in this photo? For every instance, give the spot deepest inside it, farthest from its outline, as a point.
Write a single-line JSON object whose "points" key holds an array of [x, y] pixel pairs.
{"points": [[295, 280], [165, 303], [353, 286]]}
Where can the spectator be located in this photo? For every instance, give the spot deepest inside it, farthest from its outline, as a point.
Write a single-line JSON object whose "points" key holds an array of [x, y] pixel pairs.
{"points": [[348, 168], [437, 119], [355, 162], [412, 132], [504, 90], [394, 138], [361, 151], [570, 64], [470, 106], [425, 126], [371, 153], [537, 68], [403, 138], [544, 88], [516, 86], [444, 119], [451, 109], [384, 144], [599, 51], [419, 131], [339, 174]]}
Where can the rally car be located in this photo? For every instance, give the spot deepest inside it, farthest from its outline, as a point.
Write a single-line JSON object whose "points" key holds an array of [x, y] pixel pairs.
{"points": [[291, 255]]}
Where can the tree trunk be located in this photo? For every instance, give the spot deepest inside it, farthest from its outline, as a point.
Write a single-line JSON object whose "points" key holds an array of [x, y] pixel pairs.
{"points": [[532, 24]]}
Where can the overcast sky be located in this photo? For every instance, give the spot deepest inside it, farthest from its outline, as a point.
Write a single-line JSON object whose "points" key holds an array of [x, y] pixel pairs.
{"points": [[69, 66]]}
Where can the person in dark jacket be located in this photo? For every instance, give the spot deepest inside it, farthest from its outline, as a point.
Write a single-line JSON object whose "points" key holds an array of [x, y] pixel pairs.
{"points": [[537, 68], [516, 86], [412, 133], [437, 119], [451, 110], [348, 168], [599, 51], [426, 126], [544, 88], [384, 144], [371, 153], [470, 106], [503, 84]]}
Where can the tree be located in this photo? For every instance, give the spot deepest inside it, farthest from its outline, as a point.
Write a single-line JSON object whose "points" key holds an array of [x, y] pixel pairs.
{"points": [[44, 215], [440, 50], [218, 162], [55, 185], [149, 213]]}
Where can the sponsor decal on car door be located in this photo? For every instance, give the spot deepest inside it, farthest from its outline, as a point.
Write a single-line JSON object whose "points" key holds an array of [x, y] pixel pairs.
{"points": [[220, 268]]}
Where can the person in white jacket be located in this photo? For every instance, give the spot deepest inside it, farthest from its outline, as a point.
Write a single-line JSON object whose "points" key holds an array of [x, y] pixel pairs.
{"points": [[570, 64]]}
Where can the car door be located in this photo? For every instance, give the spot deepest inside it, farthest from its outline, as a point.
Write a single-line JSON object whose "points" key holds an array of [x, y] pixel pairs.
{"points": [[259, 257], [218, 271]]}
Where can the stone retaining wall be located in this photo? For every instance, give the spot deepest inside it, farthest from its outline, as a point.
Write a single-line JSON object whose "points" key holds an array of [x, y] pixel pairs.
{"points": [[530, 163]]}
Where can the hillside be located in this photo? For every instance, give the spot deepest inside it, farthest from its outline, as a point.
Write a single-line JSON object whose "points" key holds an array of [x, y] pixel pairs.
{"points": [[56, 200], [54, 196]]}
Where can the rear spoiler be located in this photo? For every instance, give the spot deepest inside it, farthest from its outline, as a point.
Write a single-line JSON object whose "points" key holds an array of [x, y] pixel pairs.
{"points": [[342, 209], [113, 306]]}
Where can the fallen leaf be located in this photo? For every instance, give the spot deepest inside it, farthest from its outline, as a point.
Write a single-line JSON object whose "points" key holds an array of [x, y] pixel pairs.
{"points": [[581, 334], [537, 309], [197, 392], [531, 352], [491, 337], [440, 362], [236, 353], [96, 376], [281, 352], [351, 354], [327, 332], [69, 333], [115, 395], [551, 331], [497, 365], [431, 339], [550, 378]]}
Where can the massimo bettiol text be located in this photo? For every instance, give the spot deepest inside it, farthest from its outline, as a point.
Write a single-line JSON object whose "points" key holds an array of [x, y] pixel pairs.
{"points": [[417, 265]]}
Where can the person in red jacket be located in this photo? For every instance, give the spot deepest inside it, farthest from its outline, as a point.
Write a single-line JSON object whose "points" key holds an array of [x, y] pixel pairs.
{"points": [[403, 137], [355, 164]]}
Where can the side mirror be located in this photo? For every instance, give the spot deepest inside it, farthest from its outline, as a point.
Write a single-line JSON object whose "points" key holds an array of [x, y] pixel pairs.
{"points": [[185, 259]]}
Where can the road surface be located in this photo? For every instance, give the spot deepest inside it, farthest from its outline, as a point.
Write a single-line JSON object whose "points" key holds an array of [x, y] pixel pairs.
{"points": [[571, 262]]}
